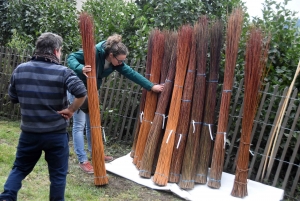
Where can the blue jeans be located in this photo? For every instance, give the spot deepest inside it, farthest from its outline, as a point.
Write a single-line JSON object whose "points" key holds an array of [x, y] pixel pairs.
{"points": [[29, 151], [80, 120]]}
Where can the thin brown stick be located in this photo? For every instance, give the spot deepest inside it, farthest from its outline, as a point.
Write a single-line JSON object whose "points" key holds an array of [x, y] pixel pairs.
{"points": [[88, 44], [274, 134]]}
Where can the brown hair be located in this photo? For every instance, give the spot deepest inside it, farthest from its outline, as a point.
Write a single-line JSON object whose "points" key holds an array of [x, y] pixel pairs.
{"points": [[115, 46]]}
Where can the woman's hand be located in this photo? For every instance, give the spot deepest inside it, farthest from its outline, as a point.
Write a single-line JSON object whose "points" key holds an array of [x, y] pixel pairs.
{"points": [[157, 88], [86, 69]]}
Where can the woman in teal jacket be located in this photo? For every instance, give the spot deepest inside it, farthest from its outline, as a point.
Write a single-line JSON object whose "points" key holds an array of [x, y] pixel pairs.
{"points": [[110, 56]]}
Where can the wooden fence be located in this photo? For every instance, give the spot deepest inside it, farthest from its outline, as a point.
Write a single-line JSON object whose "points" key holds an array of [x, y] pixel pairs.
{"points": [[119, 99]]}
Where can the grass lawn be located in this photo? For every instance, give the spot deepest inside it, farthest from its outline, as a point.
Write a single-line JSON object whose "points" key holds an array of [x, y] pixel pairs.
{"points": [[80, 186]]}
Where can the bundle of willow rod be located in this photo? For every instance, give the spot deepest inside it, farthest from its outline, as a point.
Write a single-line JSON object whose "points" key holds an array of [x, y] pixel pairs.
{"points": [[234, 29], [151, 97], [155, 133], [183, 52], [184, 116], [210, 103], [88, 44], [169, 45], [191, 153], [144, 92], [170, 38], [253, 72]]}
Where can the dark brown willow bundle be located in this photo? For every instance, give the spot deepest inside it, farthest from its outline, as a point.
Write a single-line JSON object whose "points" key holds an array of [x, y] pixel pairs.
{"points": [[253, 72], [151, 97], [164, 160], [210, 103], [184, 116], [191, 153], [155, 133], [144, 92], [88, 45], [170, 41], [234, 29]]}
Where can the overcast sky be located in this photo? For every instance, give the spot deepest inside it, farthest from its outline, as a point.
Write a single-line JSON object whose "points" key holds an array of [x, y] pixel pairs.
{"points": [[255, 6]]}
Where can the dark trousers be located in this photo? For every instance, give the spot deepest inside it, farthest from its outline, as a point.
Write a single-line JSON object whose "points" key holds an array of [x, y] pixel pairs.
{"points": [[29, 151]]}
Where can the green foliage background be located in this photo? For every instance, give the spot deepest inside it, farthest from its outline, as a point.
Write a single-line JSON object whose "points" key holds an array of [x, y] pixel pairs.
{"points": [[25, 20]]}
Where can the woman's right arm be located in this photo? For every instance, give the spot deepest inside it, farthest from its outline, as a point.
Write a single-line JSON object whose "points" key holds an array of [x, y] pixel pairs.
{"points": [[76, 61]]}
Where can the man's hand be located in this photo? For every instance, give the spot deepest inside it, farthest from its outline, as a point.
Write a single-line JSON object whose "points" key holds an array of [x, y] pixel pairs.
{"points": [[66, 113], [157, 88]]}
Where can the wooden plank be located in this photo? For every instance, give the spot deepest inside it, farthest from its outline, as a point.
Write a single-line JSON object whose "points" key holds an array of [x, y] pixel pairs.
{"points": [[120, 115], [291, 164], [15, 55], [116, 102], [2, 55], [135, 105], [282, 129], [234, 135], [132, 117], [258, 113], [118, 123], [259, 172], [111, 96], [235, 102], [231, 117], [137, 118], [125, 116], [4, 81], [286, 146], [106, 88], [295, 182], [262, 132]]}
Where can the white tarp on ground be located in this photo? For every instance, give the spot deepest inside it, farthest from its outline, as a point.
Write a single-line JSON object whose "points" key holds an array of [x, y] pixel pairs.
{"points": [[124, 167]]}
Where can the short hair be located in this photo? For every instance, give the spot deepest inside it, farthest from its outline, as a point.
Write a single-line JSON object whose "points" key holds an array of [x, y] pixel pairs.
{"points": [[47, 43], [115, 46]]}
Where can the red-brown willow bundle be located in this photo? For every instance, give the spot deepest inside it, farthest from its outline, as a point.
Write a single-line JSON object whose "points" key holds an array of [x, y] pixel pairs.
{"points": [[151, 97], [88, 45], [144, 92], [184, 116], [191, 153], [183, 52], [234, 29], [210, 103], [253, 71], [155, 133], [170, 41]]}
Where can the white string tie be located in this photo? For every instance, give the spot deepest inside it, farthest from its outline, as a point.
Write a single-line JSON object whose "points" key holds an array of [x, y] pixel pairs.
{"points": [[141, 116], [209, 127], [193, 126], [169, 136], [103, 133], [179, 141], [164, 118]]}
